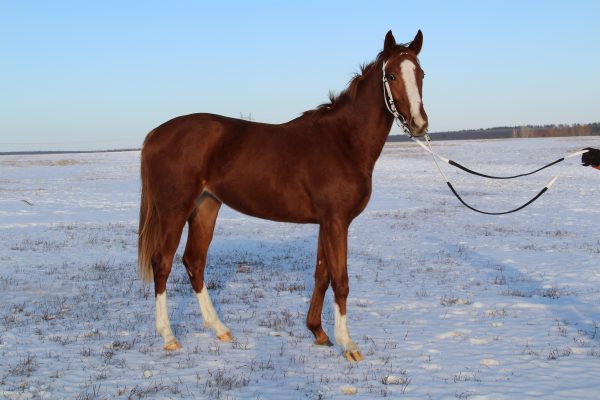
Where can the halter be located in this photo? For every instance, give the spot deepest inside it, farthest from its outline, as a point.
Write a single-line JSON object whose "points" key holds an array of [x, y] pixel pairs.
{"points": [[390, 104], [401, 122]]}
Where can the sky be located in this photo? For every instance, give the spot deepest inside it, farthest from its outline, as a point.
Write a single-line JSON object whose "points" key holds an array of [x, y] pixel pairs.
{"points": [[86, 75]]}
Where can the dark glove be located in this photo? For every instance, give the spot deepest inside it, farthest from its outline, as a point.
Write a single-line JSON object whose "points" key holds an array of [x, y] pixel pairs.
{"points": [[592, 157]]}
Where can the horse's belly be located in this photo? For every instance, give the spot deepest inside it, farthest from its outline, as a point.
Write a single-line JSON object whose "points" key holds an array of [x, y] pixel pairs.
{"points": [[281, 203]]}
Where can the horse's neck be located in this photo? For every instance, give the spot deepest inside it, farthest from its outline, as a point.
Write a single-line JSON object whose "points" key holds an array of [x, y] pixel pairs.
{"points": [[367, 119]]}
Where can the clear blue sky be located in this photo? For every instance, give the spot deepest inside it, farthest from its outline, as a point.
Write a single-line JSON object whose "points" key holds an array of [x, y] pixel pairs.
{"points": [[101, 74]]}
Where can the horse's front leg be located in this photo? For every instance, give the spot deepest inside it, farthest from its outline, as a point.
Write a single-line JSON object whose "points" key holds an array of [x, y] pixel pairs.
{"points": [[313, 318], [335, 246]]}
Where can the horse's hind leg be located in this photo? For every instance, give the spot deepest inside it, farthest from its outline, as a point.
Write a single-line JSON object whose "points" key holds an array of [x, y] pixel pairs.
{"points": [[162, 261], [201, 227]]}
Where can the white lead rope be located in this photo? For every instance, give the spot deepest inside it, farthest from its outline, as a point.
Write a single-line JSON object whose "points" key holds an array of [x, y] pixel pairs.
{"points": [[400, 121], [446, 160], [436, 156]]}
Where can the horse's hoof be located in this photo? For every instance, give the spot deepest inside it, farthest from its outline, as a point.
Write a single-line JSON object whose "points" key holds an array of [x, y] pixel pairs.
{"points": [[353, 355], [172, 346], [325, 342], [226, 337]]}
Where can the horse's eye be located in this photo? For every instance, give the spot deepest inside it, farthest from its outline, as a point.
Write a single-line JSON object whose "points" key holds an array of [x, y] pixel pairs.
{"points": [[392, 77]]}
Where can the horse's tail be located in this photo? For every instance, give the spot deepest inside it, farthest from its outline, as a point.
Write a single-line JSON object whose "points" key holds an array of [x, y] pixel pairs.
{"points": [[149, 227]]}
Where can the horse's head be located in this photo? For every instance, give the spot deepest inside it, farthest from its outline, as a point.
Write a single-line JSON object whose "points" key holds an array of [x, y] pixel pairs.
{"points": [[405, 79]]}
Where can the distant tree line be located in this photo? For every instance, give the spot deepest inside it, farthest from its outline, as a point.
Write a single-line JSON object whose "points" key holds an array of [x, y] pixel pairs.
{"points": [[557, 130], [508, 132]]}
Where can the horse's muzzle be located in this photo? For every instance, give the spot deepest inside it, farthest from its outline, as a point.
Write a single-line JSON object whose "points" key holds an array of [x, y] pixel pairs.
{"points": [[416, 130]]}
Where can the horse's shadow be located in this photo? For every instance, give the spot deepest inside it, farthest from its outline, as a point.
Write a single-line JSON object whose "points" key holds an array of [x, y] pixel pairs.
{"points": [[299, 253]]}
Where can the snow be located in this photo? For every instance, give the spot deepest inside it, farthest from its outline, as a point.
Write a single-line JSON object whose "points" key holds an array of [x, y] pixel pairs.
{"points": [[444, 302]]}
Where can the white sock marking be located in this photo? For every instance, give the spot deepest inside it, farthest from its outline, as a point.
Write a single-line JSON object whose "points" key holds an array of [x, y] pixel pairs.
{"points": [[340, 330], [162, 319], [209, 315], [407, 69]]}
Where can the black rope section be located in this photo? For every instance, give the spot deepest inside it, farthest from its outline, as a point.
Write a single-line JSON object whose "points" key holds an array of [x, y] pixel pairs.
{"points": [[457, 165], [496, 213], [470, 171]]}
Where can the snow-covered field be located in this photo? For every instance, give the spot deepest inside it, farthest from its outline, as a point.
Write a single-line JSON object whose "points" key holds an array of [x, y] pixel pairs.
{"points": [[444, 303]]}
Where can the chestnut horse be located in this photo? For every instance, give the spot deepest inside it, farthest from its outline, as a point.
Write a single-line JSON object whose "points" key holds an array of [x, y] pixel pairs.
{"points": [[314, 169]]}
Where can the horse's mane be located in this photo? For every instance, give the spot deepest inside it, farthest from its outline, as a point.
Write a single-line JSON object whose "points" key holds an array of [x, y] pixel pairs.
{"points": [[350, 92]]}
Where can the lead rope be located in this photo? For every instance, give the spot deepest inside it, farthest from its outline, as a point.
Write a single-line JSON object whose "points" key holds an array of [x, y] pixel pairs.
{"points": [[400, 121], [436, 156], [433, 155], [457, 165]]}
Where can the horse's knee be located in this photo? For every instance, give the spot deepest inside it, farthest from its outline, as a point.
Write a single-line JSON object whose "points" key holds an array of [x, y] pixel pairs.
{"points": [[341, 289], [187, 261], [161, 269], [195, 270], [192, 262], [320, 288]]}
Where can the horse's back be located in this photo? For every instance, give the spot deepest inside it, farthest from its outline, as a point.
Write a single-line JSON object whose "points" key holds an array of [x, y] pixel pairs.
{"points": [[186, 131]]}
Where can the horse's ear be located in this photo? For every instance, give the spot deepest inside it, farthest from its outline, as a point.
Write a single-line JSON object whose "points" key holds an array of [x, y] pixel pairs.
{"points": [[417, 42], [390, 43]]}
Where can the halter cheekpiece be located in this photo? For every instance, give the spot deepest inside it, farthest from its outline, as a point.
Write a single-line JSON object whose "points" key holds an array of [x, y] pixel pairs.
{"points": [[390, 104]]}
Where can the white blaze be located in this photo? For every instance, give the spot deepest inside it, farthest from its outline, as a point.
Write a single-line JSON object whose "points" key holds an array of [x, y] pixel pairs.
{"points": [[407, 69], [209, 314]]}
